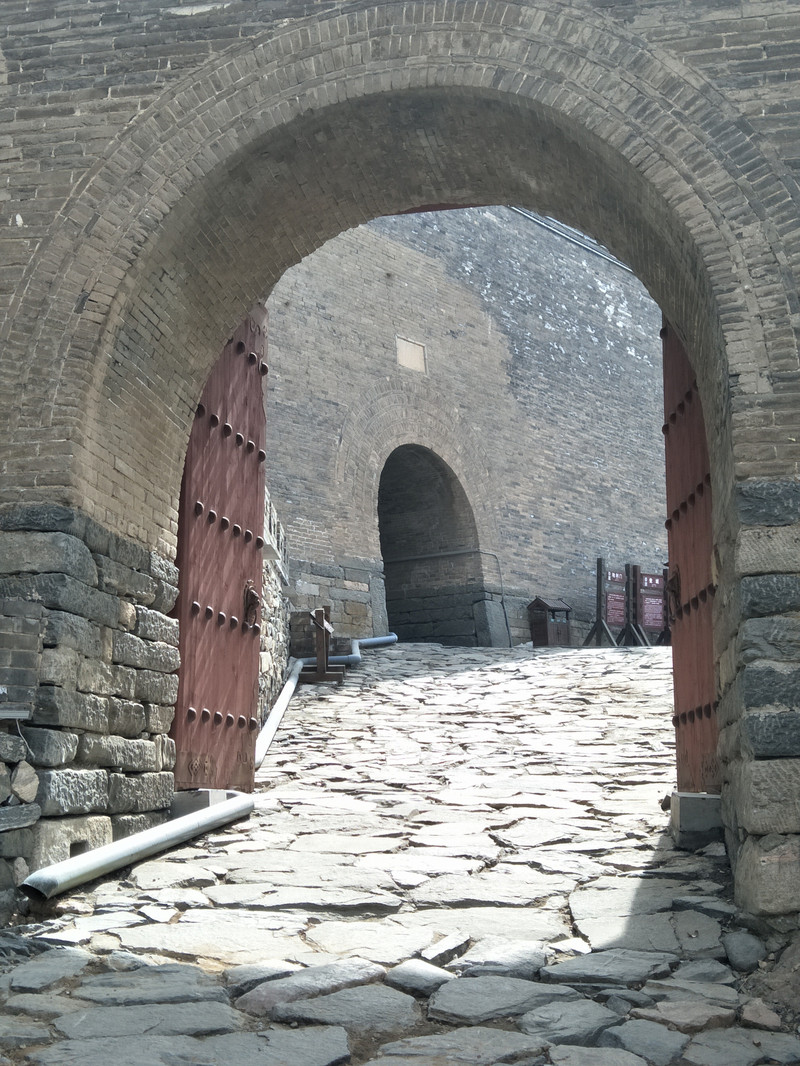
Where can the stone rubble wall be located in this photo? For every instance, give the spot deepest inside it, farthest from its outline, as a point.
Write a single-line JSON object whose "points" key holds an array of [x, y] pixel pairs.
{"points": [[274, 637], [96, 699]]}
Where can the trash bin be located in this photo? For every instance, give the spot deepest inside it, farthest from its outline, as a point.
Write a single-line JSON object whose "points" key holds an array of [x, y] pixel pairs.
{"points": [[549, 623]]}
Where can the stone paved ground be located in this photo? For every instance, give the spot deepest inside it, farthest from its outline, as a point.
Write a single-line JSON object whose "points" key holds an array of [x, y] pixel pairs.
{"points": [[458, 857]]}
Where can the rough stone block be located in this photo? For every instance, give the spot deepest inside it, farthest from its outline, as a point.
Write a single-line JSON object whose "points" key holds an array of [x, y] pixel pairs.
{"points": [[24, 782], [46, 553], [50, 747], [152, 687], [763, 686], [145, 654], [56, 839], [153, 625], [118, 752], [12, 748], [126, 718], [165, 597], [5, 782], [165, 752], [770, 594], [768, 875], [125, 825], [72, 791], [768, 503], [14, 842], [771, 733], [24, 814], [75, 632], [695, 819], [142, 792], [59, 666], [73, 710], [64, 593], [767, 795], [104, 679], [158, 719], [163, 569], [774, 550], [123, 581]]}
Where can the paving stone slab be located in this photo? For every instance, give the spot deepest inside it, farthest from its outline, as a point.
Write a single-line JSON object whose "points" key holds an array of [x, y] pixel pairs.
{"points": [[577, 1022], [471, 1046], [18, 1030], [566, 1055], [48, 968], [241, 979], [472, 1000], [375, 1009], [383, 941], [171, 983], [614, 896], [314, 981], [496, 956], [740, 1047], [320, 1046], [704, 970], [655, 1043], [49, 1005], [617, 966], [687, 1015], [156, 1019], [417, 977], [674, 987]]}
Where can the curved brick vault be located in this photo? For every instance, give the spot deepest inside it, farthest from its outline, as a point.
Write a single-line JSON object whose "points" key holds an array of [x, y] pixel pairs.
{"points": [[233, 172]]}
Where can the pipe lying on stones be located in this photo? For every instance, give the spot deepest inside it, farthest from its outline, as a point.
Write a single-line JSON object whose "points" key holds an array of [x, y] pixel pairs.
{"points": [[61, 876], [272, 724]]}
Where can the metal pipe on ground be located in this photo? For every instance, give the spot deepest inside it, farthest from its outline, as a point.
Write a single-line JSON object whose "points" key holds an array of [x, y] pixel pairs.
{"points": [[272, 724], [61, 876]]}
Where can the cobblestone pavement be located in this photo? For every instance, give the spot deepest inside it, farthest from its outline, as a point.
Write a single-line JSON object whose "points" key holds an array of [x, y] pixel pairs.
{"points": [[457, 857]]}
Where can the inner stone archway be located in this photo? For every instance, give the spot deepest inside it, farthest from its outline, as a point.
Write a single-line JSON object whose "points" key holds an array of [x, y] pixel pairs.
{"points": [[431, 557]]}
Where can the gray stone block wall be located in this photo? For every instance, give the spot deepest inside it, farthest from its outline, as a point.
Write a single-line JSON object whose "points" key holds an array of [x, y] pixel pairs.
{"points": [[83, 611], [540, 409]]}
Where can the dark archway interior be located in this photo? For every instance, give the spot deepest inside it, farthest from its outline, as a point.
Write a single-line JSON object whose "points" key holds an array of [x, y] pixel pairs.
{"points": [[434, 580]]}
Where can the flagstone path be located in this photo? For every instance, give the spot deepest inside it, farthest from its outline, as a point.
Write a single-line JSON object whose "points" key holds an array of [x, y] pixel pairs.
{"points": [[457, 857]]}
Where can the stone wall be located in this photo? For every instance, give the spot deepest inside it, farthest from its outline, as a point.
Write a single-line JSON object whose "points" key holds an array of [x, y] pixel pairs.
{"points": [[540, 395], [90, 611]]}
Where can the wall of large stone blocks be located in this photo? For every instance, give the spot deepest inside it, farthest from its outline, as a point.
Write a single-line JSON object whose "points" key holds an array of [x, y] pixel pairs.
{"points": [[541, 392]]}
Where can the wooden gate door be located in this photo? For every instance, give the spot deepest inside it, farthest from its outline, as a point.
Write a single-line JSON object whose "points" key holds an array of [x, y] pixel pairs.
{"points": [[220, 543], [690, 585]]}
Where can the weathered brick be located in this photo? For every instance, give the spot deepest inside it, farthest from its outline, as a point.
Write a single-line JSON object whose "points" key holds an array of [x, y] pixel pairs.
{"points": [[72, 710], [153, 625], [118, 753]]}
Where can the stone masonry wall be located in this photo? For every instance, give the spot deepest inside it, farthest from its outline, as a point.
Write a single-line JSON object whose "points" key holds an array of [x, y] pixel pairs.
{"points": [[542, 392], [94, 725]]}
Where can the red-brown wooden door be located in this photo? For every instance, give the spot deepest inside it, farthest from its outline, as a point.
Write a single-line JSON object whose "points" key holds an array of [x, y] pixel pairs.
{"points": [[220, 541], [690, 587]]}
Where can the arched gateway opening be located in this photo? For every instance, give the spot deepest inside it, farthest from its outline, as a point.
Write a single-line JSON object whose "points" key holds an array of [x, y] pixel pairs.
{"points": [[335, 120], [431, 556]]}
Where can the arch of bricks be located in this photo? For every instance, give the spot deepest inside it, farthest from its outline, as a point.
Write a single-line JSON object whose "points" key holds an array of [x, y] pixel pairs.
{"points": [[143, 222], [381, 421]]}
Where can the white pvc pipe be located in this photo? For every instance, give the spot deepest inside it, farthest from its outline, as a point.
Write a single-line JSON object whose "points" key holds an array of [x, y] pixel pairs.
{"points": [[61, 876]]}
